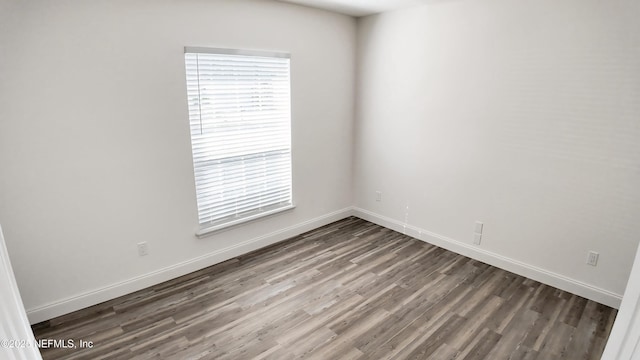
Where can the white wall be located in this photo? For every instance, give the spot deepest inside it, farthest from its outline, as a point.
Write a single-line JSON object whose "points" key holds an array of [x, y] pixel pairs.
{"points": [[95, 152], [523, 115]]}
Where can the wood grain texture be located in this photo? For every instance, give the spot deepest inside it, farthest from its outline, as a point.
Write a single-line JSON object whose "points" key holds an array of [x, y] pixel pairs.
{"points": [[349, 290]]}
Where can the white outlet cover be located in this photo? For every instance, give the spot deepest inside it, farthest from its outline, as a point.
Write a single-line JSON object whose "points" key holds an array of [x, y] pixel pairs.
{"points": [[143, 249], [478, 227], [477, 238]]}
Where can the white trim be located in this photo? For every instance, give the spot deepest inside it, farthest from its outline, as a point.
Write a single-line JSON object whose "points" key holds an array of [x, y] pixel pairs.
{"points": [[97, 296], [533, 272], [90, 298], [229, 224], [257, 53], [624, 339], [14, 325]]}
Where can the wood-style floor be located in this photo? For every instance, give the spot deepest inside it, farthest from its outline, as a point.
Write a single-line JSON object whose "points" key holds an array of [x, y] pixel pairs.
{"points": [[349, 290]]}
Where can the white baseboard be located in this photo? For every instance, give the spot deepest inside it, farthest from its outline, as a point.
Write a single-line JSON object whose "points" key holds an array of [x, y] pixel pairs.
{"points": [[113, 291], [90, 298], [532, 272]]}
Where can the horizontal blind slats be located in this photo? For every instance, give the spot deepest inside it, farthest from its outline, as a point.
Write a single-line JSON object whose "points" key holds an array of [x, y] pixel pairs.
{"points": [[239, 114], [240, 215], [213, 174], [247, 185], [240, 204], [236, 203]]}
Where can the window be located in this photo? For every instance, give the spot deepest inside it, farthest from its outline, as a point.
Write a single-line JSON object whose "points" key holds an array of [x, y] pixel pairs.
{"points": [[240, 118]]}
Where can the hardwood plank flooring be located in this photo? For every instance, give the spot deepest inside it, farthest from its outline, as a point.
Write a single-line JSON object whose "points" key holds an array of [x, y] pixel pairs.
{"points": [[349, 290]]}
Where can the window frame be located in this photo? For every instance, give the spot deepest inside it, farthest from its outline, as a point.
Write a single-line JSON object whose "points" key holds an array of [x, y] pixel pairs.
{"points": [[225, 223]]}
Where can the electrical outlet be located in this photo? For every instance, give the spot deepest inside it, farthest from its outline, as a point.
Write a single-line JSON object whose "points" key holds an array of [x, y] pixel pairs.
{"points": [[478, 227], [477, 238], [143, 249], [378, 196], [592, 259]]}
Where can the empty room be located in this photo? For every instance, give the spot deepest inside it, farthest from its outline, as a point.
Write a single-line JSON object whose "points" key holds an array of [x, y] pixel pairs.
{"points": [[319, 179]]}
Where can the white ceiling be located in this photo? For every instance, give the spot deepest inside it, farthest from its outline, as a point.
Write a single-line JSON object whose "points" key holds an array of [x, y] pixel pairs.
{"points": [[356, 7]]}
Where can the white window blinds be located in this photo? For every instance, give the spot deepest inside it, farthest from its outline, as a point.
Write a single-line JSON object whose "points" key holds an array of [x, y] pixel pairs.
{"points": [[239, 113]]}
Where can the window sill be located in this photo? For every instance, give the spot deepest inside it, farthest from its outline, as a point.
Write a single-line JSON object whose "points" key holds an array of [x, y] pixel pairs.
{"points": [[204, 232]]}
